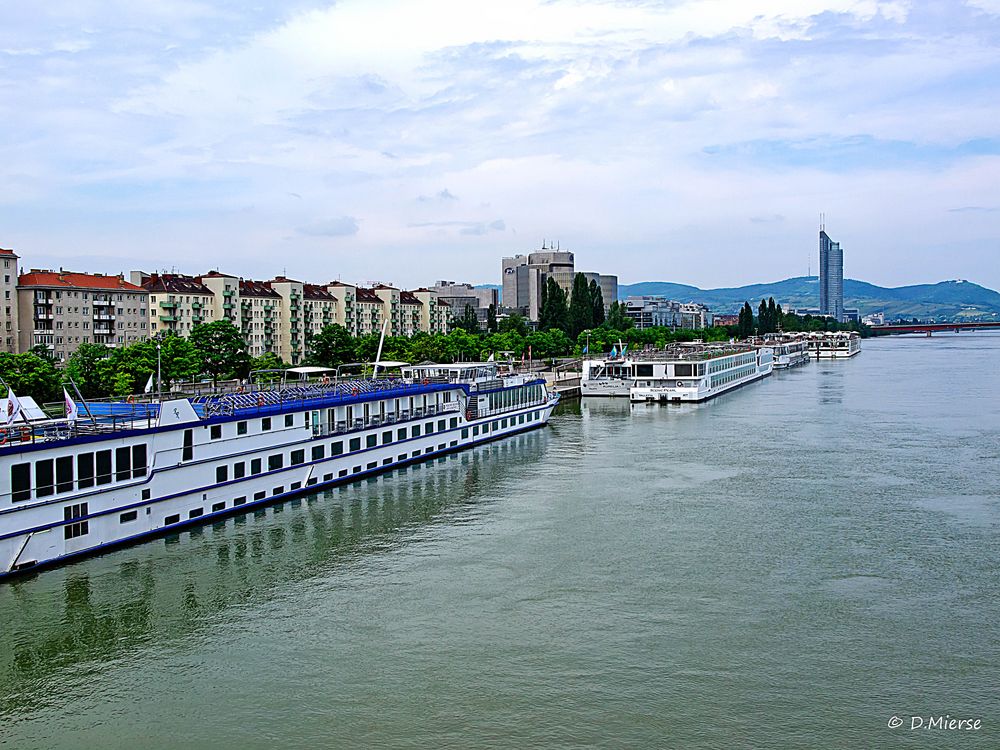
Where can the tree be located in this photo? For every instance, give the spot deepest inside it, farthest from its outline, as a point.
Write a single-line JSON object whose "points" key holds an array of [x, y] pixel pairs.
{"points": [[267, 361], [581, 307], [597, 302], [772, 316], [90, 368], [554, 312], [762, 324], [514, 323], [491, 319], [744, 327], [332, 346], [222, 349], [30, 375], [617, 319], [469, 322]]}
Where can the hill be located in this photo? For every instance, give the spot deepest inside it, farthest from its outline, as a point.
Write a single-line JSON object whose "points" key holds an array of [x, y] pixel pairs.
{"points": [[945, 300]]}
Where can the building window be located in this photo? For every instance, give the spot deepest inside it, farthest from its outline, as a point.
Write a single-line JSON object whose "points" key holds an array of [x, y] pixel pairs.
{"points": [[79, 528]]}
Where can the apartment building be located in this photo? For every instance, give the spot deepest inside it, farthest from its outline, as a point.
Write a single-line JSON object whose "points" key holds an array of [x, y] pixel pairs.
{"points": [[8, 303], [62, 309], [435, 313], [177, 303], [319, 307], [260, 312]]}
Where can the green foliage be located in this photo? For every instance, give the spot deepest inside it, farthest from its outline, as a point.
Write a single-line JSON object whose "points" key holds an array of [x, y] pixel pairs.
{"points": [[90, 368], [514, 323], [581, 307], [332, 346], [30, 375], [221, 348], [597, 303], [267, 361], [491, 319], [617, 319], [468, 321], [554, 312]]}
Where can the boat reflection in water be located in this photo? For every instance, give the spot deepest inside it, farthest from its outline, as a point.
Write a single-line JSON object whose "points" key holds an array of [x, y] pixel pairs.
{"points": [[61, 625]]}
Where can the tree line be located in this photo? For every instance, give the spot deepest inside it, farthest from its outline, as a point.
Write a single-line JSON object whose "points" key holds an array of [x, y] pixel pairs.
{"points": [[771, 319]]}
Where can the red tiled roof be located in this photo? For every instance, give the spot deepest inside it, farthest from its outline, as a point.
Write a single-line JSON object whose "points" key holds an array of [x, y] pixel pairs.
{"points": [[409, 298], [315, 291], [175, 282], [442, 303], [367, 295], [251, 288], [71, 280], [5, 251]]}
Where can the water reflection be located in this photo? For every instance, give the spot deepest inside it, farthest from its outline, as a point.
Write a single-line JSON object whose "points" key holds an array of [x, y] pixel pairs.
{"points": [[160, 592]]}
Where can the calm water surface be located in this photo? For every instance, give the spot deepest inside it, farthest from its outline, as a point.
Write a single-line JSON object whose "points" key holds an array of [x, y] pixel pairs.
{"points": [[788, 566]]}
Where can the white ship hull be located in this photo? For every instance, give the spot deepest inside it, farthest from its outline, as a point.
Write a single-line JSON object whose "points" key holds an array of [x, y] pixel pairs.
{"points": [[702, 380], [168, 476]]}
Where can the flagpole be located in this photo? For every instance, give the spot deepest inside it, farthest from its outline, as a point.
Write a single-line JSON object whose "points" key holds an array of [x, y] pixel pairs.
{"points": [[159, 375], [83, 401]]}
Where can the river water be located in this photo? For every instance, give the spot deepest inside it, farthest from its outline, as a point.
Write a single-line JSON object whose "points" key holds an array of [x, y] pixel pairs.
{"points": [[790, 565]]}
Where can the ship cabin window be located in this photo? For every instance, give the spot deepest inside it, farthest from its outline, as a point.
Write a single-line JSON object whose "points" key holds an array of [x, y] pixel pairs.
{"points": [[196, 512], [20, 482], [289, 420], [415, 431], [188, 452], [372, 465], [265, 424], [215, 432], [241, 428], [259, 495], [295, 486], [342, 473], [72, 512], [239, 470], [240, 501], [683, 371], [146, 494], [171, 520], [465, 433], [371, 441], [355, 444], [401, 434], [441, 424], [454, 422], [138, 461], [44, 478], [318, 452], [85, 470], [123, 462], [103, 461], [356, 469], [275, 462], [218, 506], [221, 474], [128, 517], [297, 457], [644, 371], [429, 428], [386, 437], [337, 448], [64, 474], [255, 466]]}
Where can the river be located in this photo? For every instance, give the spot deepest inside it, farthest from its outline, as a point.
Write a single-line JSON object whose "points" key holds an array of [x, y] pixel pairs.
{"points": [[790, 565]]}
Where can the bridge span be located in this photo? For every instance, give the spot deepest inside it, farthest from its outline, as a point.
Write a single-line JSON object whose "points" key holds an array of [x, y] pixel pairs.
{"points": [[930, 328]]}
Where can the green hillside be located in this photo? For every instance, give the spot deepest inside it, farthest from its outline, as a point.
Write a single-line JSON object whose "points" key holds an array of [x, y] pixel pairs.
{"points": [[946, 300]]}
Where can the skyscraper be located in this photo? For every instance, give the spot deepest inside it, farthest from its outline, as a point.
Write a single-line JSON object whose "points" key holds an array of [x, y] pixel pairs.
{"points": [[831, 277]]}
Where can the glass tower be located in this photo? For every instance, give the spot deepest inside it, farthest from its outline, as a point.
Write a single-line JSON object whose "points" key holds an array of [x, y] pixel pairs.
{"points": [[831, 277]]}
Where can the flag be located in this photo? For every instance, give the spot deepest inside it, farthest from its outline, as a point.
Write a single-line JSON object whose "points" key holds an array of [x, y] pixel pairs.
{"points": [[586, 348], [13, 407], [149, 384], [491, 358], [614, 352], [624, 349], [72, 410]]}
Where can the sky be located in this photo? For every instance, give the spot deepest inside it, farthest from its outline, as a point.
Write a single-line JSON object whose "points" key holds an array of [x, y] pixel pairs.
{"points": [[694, 141]]}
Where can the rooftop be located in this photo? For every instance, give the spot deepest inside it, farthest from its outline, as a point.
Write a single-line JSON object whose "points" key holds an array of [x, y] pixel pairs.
{"points": [[72, 280]]}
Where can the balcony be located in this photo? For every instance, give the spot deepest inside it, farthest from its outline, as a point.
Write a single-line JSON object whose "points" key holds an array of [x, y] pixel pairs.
{"points": [[43, 300], [44, 316], [168, 318], [196, 305], [104, 316], [198, 318], [103, 331], [168, 305], [228, 305], [228, 293]]}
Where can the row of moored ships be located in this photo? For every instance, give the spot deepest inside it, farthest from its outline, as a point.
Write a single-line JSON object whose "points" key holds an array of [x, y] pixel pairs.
{"points": [[698, 372], [134, 470]]}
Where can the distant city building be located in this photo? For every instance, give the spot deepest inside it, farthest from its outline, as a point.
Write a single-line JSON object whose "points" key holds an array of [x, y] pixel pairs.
{"points": [[459, 296], [8, 336], [725, 320], [177, 303], [875, 319], [60, 310], [524, 276], [653, 311], [831, 277]]}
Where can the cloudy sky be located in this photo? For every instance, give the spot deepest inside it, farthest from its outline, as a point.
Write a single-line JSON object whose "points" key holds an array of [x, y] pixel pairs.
{"points": [[685, 140]]}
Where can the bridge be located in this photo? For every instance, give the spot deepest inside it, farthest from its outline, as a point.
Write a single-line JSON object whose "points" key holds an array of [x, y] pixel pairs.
{"points": [[930, 328]]}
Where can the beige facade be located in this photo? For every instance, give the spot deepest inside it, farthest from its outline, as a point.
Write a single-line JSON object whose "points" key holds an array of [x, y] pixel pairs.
{"points": [[345, 310], [291, 323], [435, 313], [61, 310], [319, 309], [177, 303], [260, 313], [8, 302]]}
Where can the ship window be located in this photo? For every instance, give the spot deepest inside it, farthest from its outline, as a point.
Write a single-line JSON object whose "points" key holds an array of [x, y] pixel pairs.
{"points": [[20, 482], [195, 512], [682, 371], [72, 512], [255, 466], [327, 477], [386, 437], [215, 431], [259, 495], [401, 457], [342, 473], [453, 443], [401, 434], [465, 432], [221, 474], [644, 371], [64, 474], [296, 486], [241, 428], [372, 465], [289, 420], [356, 469], [441, 424], [371, 441], [275, 462], [415, 454], [297, 457], [171, 519], [475, 430], [85, 470], [146, 494], [429, 449], [188, 452], [318, 452], [386, 461], [43, 478], [265, 424], [337, 448], [103, 467], [454, 422], [138, 461], [239, 470], [123, 462], [128, 517], [239, 501], [218, 506], [355, 444], [428, 428], [415, 431]]}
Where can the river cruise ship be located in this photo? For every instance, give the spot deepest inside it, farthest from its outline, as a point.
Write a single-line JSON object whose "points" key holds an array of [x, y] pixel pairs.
{"points": [[698, 372], [838, 345], [606, 377], [788, 350], [126, 471]]}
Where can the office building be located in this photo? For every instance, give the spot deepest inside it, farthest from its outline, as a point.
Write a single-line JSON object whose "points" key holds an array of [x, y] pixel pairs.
{"points": [[831, 277], [524, 276], [654, 311]]}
